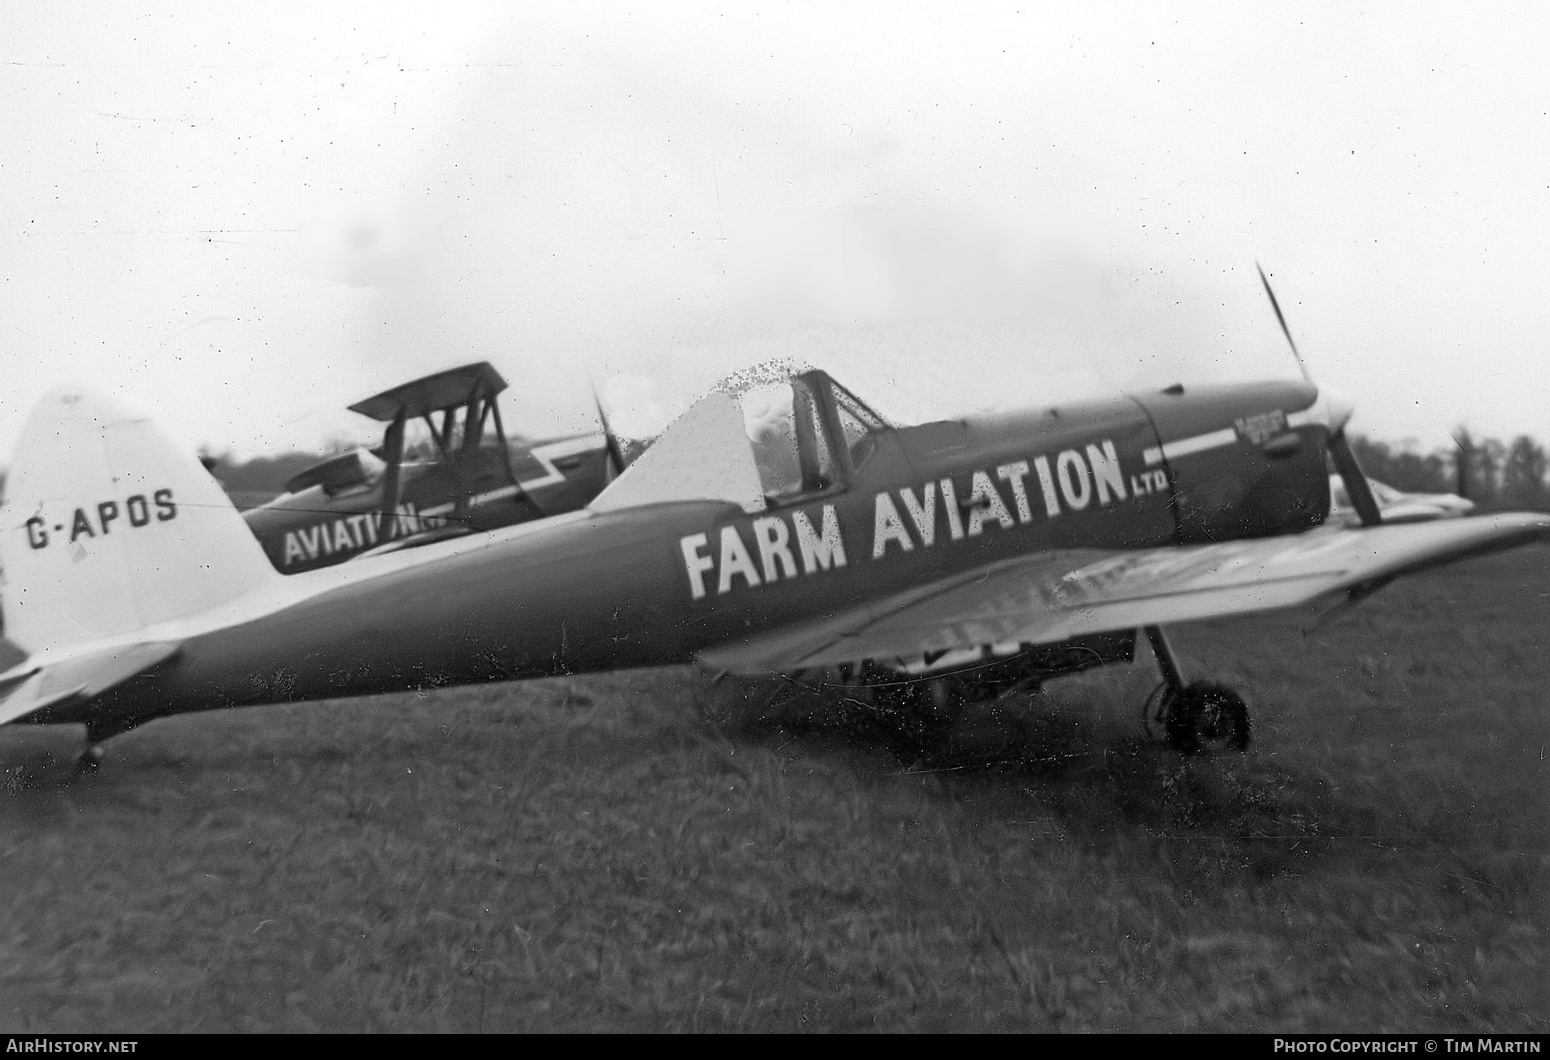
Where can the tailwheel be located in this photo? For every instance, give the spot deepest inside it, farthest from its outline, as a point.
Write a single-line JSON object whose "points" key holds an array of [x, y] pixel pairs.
{"points": [[1205, 716], [98, 732], [89, 759]]}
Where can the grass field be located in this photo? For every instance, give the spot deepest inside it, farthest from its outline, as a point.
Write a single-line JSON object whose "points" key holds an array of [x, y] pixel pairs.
{"points": [[651, 851]]}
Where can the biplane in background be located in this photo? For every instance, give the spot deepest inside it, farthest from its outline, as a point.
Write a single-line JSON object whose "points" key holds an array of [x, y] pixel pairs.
{"points": [[445, 467], [784, 529]]}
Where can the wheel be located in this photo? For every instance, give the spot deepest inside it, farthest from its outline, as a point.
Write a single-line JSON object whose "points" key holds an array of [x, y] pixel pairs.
{"points": [[1206, 717]]}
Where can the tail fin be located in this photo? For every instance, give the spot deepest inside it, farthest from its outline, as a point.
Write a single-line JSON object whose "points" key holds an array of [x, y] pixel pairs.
{"points": [[108, 527]]}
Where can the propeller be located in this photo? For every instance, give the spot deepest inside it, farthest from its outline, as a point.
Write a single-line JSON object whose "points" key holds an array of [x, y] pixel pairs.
{"points": [[1281, 319], [1346, 464], [1461, 463], [615, 450]]}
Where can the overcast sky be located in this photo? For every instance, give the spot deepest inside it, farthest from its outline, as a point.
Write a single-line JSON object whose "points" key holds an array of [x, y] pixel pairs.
{"points": [[244, 218]]}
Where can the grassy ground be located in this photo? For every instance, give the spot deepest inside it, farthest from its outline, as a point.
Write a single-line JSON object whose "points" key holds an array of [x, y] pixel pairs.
{"points": [[648, 851]]}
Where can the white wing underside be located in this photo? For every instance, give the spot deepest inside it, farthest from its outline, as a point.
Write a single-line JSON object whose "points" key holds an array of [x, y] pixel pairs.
{"points": [[1052, 596]]}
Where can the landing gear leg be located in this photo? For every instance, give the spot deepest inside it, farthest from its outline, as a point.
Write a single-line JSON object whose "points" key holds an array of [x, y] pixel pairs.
{"points": [[1203, 716], [1167, 662]]}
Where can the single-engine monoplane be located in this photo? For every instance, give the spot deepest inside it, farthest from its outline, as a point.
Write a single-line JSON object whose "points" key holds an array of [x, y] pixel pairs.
{"points": [[445, 467], [780, 526]]}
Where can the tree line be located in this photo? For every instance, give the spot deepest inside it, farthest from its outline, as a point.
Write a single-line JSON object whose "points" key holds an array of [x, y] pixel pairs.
{"points": [[1496, 475]]}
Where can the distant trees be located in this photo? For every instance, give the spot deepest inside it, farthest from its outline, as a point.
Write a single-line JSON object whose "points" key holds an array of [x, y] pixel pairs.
{"points": [[1492, 474], [1403, 468], [264, 474], [251, 483], [1523, 475]]}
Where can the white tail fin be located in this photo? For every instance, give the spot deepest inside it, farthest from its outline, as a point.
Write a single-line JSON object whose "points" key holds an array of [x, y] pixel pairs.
{"points": [[108, 527]]}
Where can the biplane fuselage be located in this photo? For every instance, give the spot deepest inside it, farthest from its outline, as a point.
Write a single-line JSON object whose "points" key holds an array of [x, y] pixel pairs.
{"points": [[663, 581], [463, 476], [318, 526]]}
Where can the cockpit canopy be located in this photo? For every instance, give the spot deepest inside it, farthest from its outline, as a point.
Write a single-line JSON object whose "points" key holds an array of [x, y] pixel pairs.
{"points": [[800, 437], [807, 434], [790, 434]]}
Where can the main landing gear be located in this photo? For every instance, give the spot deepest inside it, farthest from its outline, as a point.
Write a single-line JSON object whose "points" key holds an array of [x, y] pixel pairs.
{"points": [[1203, 716], [941, 699], [966, 701]]}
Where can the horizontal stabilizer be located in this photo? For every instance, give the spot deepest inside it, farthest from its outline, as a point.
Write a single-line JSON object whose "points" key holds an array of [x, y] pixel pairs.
{"points": [[421, 397], [1048, 597], [29, 688]]}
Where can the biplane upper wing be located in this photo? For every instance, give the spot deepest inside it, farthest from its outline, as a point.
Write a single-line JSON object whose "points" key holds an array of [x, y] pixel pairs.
{"points": [[1048, 597], [420, 397]]}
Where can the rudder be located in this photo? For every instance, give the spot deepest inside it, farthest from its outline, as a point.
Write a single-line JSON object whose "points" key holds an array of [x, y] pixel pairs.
{"points": [[108, 527]]}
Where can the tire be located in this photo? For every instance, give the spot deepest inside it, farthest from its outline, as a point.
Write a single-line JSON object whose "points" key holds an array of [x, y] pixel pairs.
{"points": [[1206, 717]]}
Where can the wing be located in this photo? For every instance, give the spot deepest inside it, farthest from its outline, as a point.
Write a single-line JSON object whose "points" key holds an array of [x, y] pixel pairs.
{"points": [[1052, 596], [33, 686]]}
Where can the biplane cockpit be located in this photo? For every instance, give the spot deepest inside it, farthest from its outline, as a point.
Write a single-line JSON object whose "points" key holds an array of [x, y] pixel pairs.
{"points": [[445, 466]]}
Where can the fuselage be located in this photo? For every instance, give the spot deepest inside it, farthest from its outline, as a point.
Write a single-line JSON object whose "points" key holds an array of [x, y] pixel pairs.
{"points": [[477, 491], [655, 584]]}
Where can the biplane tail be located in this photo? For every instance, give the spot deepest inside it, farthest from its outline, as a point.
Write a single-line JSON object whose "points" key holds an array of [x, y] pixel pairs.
{"points": [[109, 528]]}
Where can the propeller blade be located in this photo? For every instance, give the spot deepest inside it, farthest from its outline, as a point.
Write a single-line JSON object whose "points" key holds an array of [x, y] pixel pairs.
{"points": [[1282, 320], [1356, 486], [615, 450], [1461, 462]]}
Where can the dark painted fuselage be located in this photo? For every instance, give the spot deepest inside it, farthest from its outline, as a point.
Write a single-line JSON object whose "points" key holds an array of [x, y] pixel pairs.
{"points": [[474, 491], [654, 584]]}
